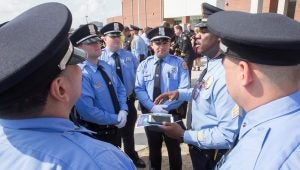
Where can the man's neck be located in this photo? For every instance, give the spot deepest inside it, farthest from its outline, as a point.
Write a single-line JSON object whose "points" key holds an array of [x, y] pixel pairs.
{"points": [[212, 52], [93, 60]]}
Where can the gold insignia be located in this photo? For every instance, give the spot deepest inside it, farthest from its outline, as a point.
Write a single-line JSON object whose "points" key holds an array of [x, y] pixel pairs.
{"points": [[208, 82], [183, 54], [236, 111], [97, 85], [184, 65], [199, 136]]}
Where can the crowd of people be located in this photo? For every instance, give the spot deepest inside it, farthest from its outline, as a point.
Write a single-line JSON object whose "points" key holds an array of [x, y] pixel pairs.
{"points": [[67, 101]]}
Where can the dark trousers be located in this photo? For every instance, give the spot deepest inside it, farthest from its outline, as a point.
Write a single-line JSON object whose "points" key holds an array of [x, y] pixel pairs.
{"points": [[205, 159], [114, 139], [155, 140], [127, 132]]}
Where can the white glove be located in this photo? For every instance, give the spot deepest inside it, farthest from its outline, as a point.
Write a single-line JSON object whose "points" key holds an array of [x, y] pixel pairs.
{"points": [[160, 108], [122, 118]]}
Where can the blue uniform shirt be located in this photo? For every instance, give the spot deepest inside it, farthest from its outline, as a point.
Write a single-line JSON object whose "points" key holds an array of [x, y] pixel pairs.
{"points": [[129, 65], [95, 104], [269, 137], [215, 116], [138, 46], [55, 143], [173, 76]]}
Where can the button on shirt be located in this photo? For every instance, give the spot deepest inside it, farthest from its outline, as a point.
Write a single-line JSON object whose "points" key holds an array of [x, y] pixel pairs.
{"points": [[95, 104], [173, 76], [215, 124], [55, 143], [270, 138], [129, 65]]}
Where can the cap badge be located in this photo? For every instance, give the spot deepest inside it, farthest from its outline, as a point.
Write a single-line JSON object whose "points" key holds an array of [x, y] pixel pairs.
{"points": [[116, 27], [161, 31], [92, 29]]}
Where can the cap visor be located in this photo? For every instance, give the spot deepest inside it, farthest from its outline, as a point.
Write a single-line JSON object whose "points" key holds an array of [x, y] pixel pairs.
{"points": [[78, 56]]}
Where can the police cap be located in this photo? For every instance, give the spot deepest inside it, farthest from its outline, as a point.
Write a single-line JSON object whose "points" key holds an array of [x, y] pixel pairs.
{"points": [[113, 29], [85, 34], [34, 49], [208, 9], [265, 38], [132, 27], [160, 32]]}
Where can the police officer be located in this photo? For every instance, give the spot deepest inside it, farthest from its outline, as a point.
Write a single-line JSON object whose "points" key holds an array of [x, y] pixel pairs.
{"points": [[261, 61], [157, 74], [39, 83], [126, 39], [215, 118], [102, 105], [125, 65], [138, 46], [185, 46]]}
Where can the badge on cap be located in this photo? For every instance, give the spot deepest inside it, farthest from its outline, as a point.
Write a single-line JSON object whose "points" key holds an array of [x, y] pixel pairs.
{"points": [[184, 38], [236, 111], [161, 31], [208, 82], [116, 27], [92, 29], [184, 65]]}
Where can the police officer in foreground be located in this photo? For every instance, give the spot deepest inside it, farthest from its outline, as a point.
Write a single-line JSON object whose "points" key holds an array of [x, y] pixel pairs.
{"points": [[39, 83], [261, 61], [215, 118], [102, 105], [157, 74], [125, 65]]}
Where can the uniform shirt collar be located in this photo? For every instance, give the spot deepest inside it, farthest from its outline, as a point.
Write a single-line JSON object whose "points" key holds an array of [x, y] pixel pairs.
{"points": [[271, 110], [110, 53], [92, 66], [165, 59], [42, 124]]}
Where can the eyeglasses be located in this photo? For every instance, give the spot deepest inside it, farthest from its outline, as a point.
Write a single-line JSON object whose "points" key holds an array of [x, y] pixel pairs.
{"points": [[197, 88]]}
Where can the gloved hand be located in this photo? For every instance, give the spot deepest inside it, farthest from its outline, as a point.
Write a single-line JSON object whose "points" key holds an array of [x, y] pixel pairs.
{"points": [[160, 108], [122, 118]]}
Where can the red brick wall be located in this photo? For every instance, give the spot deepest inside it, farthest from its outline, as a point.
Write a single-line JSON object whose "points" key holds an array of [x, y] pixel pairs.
{"points": [[297, 11], [150, 13], [238, 5], [270, 5]]}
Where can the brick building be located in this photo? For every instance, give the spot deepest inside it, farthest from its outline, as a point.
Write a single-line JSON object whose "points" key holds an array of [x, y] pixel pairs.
{"points": [[152, 12]]}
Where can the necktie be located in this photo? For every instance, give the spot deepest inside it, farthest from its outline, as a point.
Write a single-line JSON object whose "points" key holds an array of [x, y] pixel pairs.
{"points": [[118, 66], [111, 89], [156, 88], [189, 114]]}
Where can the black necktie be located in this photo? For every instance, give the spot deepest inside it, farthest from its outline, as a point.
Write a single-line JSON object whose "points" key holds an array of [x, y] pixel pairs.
{"points": [[156, 88], [189, 115], [118, 66], [111, 89]]}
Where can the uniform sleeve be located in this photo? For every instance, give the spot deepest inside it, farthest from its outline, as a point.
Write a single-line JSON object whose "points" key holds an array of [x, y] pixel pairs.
{"points": [[88, 111], [140, 89], [221, 136]]}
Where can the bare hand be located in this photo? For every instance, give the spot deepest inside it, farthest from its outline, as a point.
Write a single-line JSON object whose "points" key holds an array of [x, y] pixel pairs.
{"points": [[172, 95], [172, 130]]}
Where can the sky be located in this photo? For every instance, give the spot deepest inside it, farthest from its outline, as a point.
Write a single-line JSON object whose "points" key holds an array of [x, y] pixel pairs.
{"points": [[95, 10]]}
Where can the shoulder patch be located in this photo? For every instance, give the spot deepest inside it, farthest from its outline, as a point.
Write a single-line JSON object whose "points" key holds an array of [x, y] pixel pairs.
{"points": [[184, 65]]}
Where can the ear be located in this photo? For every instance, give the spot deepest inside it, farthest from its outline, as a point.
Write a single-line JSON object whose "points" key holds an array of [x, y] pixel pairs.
{"points": [[58, 89], [245, 72]]}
